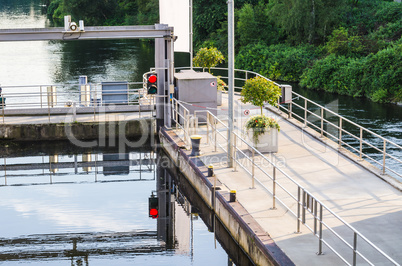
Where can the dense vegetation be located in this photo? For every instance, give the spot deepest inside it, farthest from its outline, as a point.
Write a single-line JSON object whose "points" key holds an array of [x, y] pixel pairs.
{"points": [[350, 47]]}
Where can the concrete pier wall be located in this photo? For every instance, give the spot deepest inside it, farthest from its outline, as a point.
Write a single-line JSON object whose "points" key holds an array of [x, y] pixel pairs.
{"points": [[81, 130], [256, 243]]}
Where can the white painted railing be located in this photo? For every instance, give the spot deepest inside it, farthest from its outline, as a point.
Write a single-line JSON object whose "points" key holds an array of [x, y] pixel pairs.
{"points": [[382, 153], [329, 228], [56, 99]]}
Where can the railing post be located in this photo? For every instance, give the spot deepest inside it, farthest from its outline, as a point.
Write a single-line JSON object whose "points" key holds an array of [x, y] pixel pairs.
{"points": [[2, 109], [41, 105], [315, 217], [304, 207], [361, 144], [340, 133], [176, 114], [305, 112], [298, 209], [320, 233], [215, 141], [290, 109], [273, 188], [322, 122], [234, 151], [252, 168], [354, 247], [208, 115], [383, 156]]}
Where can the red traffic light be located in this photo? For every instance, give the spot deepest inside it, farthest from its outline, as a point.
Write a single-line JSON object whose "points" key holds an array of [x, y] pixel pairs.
{"points": [[152, 79], [154, 213]]}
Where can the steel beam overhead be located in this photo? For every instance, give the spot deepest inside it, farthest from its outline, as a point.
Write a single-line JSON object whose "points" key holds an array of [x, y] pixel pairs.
{"points": [[90, 33]]}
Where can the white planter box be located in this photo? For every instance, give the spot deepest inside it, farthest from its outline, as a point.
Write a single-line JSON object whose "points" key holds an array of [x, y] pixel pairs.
{"points": [[267, 142]]}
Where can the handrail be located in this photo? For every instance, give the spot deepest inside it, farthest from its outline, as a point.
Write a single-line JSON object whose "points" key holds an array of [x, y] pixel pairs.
{"points": [[384, 157], [181, 115], [340, 129], [306, 202], [53, 99]]}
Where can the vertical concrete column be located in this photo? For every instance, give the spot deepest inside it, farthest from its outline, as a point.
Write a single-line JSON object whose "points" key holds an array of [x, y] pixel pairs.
{"points": [[164, 68]]}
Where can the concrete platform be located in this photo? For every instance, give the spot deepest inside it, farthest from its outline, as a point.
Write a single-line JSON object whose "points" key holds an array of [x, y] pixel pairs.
{"points": [[352, 191]]}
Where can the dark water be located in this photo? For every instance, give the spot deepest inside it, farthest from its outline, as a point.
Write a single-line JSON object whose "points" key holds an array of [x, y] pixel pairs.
{"points": [[65, 205]]}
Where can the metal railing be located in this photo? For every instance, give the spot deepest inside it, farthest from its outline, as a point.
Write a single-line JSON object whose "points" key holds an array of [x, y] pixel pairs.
{"points": [[59, 99], [183, 120], [380, 151], [330, 229], [340, 130]]}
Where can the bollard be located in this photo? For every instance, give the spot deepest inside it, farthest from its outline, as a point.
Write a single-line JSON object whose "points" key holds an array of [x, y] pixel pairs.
{"points": [[210, 170], [232, 196], [195, 144]]}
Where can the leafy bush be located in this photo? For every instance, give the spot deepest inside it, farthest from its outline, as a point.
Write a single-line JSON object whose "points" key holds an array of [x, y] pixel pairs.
{"points": [[323, 75], [208, 57], [342, 43], [383, 75], [378, 76], [277, 62]]}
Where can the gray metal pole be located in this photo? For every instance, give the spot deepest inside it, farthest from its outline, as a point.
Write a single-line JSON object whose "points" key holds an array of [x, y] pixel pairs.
{"points": [[231, 79]]}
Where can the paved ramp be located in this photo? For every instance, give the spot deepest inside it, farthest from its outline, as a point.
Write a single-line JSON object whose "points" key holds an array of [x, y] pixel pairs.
{"points": [[353, 192]]}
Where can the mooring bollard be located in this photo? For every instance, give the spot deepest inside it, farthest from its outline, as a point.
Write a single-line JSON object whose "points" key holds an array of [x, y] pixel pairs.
{"points": [[232, 196], [195, 145], [210, 170]]}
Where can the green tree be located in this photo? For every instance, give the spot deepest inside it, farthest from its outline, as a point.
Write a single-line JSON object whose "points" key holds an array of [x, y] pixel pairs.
{"points": [[92, 12], [208, 57], [306, 21], [254, 25], [259, 90], [341, 43]]}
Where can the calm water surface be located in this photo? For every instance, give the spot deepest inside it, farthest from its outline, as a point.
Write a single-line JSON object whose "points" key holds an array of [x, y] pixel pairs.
{"points": [[62, 205]]}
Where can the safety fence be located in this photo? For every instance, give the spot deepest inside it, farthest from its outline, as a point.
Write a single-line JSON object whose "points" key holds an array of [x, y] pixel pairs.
{"points": [[62, 98], [363, 142], [344, 240], [382, 153]]}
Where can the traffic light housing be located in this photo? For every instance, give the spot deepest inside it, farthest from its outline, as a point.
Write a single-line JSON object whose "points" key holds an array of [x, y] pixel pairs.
{"points": [[152, 87], [153, 207]]}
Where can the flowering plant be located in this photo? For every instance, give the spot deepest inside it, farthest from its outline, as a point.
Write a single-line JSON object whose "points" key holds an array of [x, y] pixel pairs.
{"points": [[220, 84], [259, 124], [258, 91]]}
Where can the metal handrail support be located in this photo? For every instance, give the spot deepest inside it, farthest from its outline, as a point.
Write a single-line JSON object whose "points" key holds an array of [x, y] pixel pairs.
{"points": [[305, 202], [2, 109], [273, 188], [234, 152], [384, 156], [359, 151], [253, 169], [340, 133]]}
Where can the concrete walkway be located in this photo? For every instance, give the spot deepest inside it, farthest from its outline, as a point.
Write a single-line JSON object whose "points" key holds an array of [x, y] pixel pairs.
{"points": [[82, 118], [359, 197]]}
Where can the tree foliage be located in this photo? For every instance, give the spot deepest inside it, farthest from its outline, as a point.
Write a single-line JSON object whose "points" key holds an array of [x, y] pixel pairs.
{"points": [[259, 90], [342, 46], [208, 57], [307, 21], [106, 12]]}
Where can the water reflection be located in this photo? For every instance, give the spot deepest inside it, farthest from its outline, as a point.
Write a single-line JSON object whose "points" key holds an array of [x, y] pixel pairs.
{"points": [[91, 207]]}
